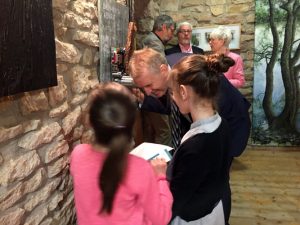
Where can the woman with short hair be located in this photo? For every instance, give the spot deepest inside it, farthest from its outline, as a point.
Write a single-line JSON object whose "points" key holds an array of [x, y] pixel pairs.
{"points": [[219, 41]]}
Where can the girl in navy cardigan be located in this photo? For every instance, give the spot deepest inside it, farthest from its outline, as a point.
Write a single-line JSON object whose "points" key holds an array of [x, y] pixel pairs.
{"points": [[199, 169]]}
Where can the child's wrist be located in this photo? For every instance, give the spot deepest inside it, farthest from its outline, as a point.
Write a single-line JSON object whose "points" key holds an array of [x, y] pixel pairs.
{"points": [[161, 177]]}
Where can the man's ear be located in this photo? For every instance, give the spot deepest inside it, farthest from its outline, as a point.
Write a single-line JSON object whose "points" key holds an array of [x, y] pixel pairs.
{"points": [[164, 69], [163, 27]]}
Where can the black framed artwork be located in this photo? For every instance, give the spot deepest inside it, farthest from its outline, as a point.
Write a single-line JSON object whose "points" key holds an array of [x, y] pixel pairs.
{"points": [[27, 46]]}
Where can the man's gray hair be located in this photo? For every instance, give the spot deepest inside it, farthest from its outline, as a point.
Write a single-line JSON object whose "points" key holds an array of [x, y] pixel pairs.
{"points": [[160, 20], [146, 59]]}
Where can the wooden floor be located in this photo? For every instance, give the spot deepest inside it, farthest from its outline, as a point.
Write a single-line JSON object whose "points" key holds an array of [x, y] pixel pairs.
{"points": [[265, 186]]}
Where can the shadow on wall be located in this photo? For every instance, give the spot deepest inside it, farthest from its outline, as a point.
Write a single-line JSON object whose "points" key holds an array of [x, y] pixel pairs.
{"points": [[139, 9]]}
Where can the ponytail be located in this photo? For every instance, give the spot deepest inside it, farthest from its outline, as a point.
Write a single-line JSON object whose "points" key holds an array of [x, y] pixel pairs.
{"points": [[113, 171]]}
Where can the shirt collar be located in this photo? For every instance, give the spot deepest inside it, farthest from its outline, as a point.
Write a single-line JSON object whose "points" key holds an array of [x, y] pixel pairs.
{"points": [[189, 50], [208, 125], [159, 38]]}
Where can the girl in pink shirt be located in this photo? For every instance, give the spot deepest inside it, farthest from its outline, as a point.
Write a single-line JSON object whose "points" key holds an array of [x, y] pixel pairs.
{"points": [[112, 187], [219, 43]]}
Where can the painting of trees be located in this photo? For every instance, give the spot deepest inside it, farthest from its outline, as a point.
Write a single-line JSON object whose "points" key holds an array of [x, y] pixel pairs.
{"points": [[276, 113]]}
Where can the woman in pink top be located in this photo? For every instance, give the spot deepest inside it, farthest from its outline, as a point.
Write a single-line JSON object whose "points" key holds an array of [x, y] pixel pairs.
{"points": [[219, 43], [112, 187]]}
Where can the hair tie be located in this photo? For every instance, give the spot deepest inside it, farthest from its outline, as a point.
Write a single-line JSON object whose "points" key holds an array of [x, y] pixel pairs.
{"points": [[211, 67], [119, 126]]}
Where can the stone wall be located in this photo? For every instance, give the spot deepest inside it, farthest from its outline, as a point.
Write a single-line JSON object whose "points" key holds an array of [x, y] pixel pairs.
{"points": [[38, 129], [205, 13]]}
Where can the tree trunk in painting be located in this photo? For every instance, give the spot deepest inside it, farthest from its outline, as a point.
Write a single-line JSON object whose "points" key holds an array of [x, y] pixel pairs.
{"points": [[267, 101], [286, 120]]}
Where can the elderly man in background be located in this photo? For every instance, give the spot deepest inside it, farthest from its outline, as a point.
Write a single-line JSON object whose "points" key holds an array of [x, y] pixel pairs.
{"points": [[184, 36], [162, 32]]}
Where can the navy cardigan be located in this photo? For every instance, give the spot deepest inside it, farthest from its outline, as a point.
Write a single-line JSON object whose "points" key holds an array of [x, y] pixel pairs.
{"points": [[199, 173]]}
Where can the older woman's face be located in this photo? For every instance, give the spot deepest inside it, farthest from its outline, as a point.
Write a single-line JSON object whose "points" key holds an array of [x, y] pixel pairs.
{"points": [[216, 44]]}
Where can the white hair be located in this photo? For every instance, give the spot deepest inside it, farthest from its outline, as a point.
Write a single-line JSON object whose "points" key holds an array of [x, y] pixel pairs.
{"points": [[223, 33], [183, 24]]}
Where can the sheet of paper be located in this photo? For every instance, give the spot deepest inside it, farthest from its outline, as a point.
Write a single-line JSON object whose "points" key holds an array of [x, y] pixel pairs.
{"points": [[150, 151]]}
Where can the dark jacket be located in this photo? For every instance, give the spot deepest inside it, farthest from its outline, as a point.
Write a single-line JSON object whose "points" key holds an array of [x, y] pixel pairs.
{"points": [[176, 49], [234, 107], [158, 105]]}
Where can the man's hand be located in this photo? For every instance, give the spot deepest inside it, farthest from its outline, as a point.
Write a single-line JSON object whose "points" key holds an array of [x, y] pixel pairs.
{"points": [[139, 95]]}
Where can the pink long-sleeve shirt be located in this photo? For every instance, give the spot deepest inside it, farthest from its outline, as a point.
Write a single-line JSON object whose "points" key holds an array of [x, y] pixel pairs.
{"points": [[142, 198], [235, 74]]}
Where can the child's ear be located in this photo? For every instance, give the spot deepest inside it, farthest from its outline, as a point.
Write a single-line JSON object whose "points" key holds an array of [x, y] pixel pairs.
{"points": [[183, 92]]}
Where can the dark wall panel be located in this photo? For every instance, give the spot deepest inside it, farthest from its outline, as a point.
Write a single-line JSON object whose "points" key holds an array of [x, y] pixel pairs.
{"points": [[27, 46]]}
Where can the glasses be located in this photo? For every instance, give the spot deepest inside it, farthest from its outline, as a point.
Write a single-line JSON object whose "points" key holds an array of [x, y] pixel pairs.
{"points": [[185, 31]]}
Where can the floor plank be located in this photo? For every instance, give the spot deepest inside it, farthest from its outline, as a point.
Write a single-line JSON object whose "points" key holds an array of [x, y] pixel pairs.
{"points": [[265, 185]]}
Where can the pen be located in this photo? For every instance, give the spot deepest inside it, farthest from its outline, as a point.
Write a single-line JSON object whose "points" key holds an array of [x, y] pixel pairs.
{"points": [[168, 153], [153, 157]]}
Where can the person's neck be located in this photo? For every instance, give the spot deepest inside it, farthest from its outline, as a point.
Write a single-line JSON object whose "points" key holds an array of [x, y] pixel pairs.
{"points": [[202, 112], [160, 35], [185, 46], [223, 50]]}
